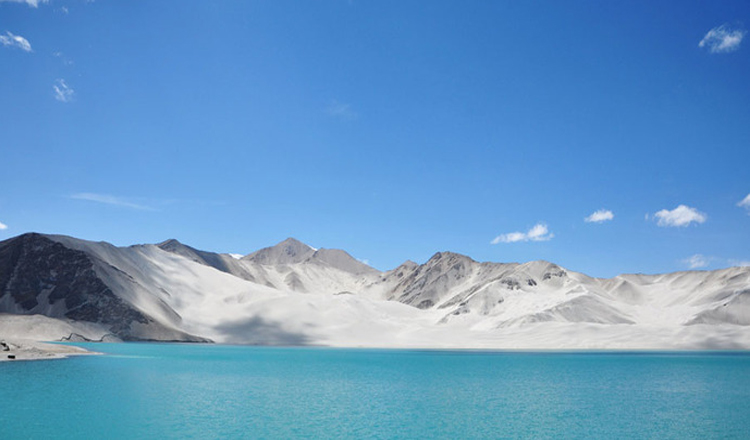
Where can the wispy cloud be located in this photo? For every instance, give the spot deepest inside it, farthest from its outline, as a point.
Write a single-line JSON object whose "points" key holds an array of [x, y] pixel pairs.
{"points": [[745, 203], [32, 3], [341, 110], [63, 92], [722, 39], [697, 261], [12, 40], [680, 216], [111, 200], [3, 226], [67, 61], [539, 232], [600, 216]]}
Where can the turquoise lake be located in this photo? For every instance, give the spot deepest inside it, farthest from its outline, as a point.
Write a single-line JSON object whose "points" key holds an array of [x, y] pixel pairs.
{"points": [[212, 391]]}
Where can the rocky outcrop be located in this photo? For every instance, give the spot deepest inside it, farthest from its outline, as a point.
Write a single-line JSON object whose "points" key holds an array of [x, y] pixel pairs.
{"points": [[41, 276]]}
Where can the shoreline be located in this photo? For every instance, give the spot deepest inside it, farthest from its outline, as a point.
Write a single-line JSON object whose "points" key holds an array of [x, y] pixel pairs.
{"points": [[32, 350], [454, 349], [12, 350]]}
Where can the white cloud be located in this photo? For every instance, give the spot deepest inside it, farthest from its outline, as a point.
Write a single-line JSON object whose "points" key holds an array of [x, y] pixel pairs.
{"points": [[722, 39], [539, 232], [12, 40], [341, 110], [63, 92], [697, 261], [741, 263], [680, 216], [32, 3], [67, 61], [110, 200], [3, 226], [600, 216], [745, 203]]}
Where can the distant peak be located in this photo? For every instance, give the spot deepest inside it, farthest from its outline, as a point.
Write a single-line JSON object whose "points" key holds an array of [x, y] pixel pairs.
{"points": [[288, 251], [439, 256], [169, 242], [291, 241], [172, 245], [27, 237], [539, 263], [541, 268], [406, 265]]}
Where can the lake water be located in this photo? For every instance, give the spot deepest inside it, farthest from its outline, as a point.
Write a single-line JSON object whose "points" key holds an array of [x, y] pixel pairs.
{"points": [[210, 391]]}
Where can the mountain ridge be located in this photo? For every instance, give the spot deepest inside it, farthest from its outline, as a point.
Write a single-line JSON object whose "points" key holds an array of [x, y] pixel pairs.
{"points": [[291, 293]]}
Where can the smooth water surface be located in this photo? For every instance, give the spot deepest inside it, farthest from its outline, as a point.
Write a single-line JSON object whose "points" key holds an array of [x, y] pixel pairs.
{"points": [[210, 391]]}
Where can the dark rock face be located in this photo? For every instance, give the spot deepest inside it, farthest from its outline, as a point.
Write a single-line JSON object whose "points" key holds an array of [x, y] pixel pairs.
{"points": [[45, 277], [510, 283], [556, 274], [42, 276], [421, 286], [293, 281]]}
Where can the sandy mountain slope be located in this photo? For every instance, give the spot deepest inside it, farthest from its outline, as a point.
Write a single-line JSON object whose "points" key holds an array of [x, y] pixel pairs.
{"points": [[293, 294], [76, 281]]}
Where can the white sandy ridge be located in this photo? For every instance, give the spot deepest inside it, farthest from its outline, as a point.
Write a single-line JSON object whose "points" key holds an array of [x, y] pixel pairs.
{"points": [[319, 297]]}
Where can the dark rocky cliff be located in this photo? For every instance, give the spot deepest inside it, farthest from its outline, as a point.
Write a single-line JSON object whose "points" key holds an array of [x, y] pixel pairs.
{"points": [[41, 276]]}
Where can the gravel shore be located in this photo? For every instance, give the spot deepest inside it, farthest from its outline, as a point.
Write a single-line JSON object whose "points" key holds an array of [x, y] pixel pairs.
{"points": [[26, 350]]}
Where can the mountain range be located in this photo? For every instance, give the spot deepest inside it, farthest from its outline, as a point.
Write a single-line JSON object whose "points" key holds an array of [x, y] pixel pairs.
{"points": [[56, 287]]}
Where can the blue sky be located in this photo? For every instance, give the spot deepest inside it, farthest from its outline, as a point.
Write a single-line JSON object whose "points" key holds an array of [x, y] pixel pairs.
{"points": [[390, 129]]}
